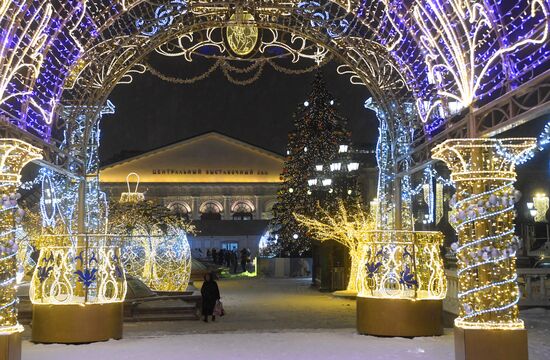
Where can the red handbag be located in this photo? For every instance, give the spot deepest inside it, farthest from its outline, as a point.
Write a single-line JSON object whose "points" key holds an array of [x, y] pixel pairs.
{"points": [[218, 309]]}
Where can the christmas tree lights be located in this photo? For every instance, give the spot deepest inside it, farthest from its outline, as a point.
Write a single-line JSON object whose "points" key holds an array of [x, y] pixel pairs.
{"points": [[316, 170], [483, 213]]}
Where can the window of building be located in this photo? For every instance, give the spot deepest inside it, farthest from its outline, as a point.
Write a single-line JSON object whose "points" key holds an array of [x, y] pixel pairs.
{"points": [[211, 210], [180, 208], [242, 211]]}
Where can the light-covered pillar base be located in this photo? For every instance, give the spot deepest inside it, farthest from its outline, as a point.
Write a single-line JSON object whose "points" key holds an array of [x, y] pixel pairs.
{"points": [[399, 317], [76, 323], [10, 347], [490, 344]]}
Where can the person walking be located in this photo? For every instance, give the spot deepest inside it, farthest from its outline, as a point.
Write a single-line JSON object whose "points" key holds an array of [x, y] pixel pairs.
{"points": [[210, 295]]}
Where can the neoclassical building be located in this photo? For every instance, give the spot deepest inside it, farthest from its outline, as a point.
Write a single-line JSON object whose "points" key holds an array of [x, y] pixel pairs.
{"points": [[227, 187]]}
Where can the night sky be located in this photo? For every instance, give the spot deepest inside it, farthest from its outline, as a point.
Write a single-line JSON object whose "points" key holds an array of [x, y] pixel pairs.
{"points": [[151, 112]]}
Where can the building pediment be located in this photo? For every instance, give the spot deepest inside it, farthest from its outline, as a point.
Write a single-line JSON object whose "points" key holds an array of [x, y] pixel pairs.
{"points": [[208, 158]]}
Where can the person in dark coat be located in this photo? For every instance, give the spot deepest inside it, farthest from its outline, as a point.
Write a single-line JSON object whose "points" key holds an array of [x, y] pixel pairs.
{"points": [[234, 261], [210, 294], [244, 259]]}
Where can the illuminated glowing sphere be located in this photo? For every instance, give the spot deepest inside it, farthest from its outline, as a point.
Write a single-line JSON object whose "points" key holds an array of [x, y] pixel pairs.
{"points": [[161, 257]]}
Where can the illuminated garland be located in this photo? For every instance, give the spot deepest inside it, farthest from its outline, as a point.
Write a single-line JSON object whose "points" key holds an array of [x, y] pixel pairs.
{"points": [[483, 213], [227, 69], [14, 155]]}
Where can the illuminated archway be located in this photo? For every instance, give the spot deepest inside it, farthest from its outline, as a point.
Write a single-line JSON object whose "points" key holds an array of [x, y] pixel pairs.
{"points": [[427, 64]]}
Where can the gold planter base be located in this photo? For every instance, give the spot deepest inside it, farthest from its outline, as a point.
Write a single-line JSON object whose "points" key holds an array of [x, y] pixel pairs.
{"points": [[73, 324], [490, 344], [10, 347], [399, 317]]}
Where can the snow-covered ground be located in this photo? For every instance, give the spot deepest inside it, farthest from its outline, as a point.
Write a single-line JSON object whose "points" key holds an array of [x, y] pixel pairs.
{"points": [[274, 319], [337, 344]]}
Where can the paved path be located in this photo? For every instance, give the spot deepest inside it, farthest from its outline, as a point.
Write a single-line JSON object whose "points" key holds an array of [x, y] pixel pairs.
{"points": [[263, 305]]}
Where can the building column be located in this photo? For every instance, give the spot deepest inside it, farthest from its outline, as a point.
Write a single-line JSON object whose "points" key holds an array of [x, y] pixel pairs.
{"points": [[226, 209], [483, 214], [195, 210], [14, 155], [257, 209]]}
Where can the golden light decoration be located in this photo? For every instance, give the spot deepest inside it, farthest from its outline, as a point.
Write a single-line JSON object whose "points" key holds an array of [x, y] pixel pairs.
{"points": [[160, 257], [14, 155], [384, 263], [483, 213], [402, 265], [132, 196], [438, 202], [242, 35], [541, 204], [88, 273], [374, 210], [348, 227]]}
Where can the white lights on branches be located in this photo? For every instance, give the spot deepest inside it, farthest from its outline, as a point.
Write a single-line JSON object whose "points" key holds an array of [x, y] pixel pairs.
{"points": [[343, 148], [335, 166], [353, 166], [540, 204], [327, 182], [312, 182]]}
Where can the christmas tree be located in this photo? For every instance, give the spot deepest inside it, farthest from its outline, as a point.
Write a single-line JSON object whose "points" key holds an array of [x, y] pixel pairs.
{"points": [[316, 171]]}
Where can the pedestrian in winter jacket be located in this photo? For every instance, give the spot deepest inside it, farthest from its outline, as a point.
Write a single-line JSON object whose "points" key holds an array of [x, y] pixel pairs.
{"points": [[210, 294]]}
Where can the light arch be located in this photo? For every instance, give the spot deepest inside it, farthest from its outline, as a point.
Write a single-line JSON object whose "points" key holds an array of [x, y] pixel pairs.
{"points": [[445, 73]]}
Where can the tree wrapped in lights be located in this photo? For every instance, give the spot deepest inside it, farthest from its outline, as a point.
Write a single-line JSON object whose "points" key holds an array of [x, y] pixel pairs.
{"points": [[483, 213], [319, 133], [348, 227]]}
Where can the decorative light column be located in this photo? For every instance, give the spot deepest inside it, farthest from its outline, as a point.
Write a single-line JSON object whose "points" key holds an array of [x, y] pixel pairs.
{"points": [[483, 213], [14, 155]]}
